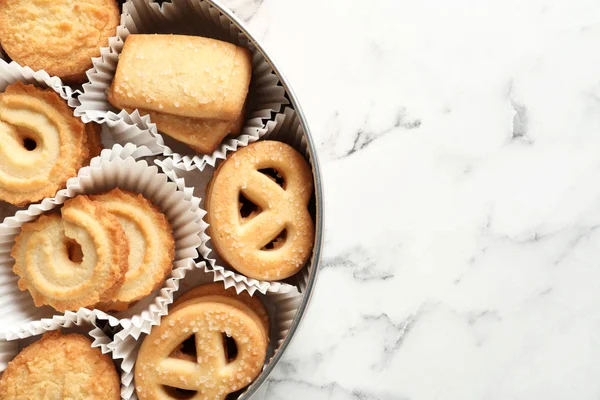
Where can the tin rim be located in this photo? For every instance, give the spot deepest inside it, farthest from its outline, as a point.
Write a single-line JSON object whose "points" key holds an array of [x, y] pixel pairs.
{"points": [[316, 259]]}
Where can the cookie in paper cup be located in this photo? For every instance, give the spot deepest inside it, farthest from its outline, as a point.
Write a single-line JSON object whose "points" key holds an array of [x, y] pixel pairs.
{"points": [[286, 128], [281, 309], [116, 167], [88, 321], [198, 179], [186, 17], [84, 323]]}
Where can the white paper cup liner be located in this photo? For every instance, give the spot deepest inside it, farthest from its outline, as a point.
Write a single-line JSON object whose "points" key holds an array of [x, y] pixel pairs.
{"points": [[13, 72], [190, 17], [83, 321], [281, 308], [285, 127], [116, 167]]}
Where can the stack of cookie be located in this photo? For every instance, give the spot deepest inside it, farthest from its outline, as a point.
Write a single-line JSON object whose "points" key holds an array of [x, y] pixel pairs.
{"points": [[109, 248], [193, 88], [104, 251]]}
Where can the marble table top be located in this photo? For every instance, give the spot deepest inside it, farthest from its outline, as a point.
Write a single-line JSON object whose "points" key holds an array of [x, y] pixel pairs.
{"points": [[460, 145]]}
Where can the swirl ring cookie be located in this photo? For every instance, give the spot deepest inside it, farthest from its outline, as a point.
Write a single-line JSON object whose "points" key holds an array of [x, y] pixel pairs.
{"points": [[60, 367], [60, 37], [212, 375], [42, 144], [151, 244], [283, 220], [43, 263]]}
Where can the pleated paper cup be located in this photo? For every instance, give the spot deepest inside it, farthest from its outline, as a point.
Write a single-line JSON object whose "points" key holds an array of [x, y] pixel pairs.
{"points": [[281, 307], [12, 72], [188, 17], [286, 128], [117, 167], [83, 322]]}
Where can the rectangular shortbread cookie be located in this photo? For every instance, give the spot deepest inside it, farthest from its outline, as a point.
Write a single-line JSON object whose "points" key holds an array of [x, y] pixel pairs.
{"points": [[189, 76]]}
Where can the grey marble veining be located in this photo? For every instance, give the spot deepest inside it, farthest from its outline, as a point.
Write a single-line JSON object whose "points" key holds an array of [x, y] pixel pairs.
{"points": [[460, 143]]}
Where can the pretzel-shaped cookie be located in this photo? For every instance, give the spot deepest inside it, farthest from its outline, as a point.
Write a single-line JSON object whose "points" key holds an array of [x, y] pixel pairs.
{"points": [[241, 241], [211, 375]]}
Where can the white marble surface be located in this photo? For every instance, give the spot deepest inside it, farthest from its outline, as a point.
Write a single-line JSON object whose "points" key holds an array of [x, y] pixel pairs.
{"points": [[460, 144]]}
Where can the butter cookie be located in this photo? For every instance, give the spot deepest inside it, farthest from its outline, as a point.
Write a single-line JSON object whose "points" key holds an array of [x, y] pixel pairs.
{"points": [[214, 371], [58, 36], [274, 241], [60, 367]]}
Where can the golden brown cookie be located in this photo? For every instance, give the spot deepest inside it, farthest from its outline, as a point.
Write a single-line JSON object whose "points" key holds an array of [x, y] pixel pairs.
{"points": [[217, 288], [59, 36], [60, 367], [201, 97], [42, 144], [276, 240], [212, 373], [151, 245], [42, 249], [189, 76]]}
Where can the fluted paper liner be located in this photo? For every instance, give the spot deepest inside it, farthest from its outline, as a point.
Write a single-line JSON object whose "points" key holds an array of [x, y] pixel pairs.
{"points": [[83, 322], [286, 128], [281, 308], [13, 72], [189, 17], [116, 167]]}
